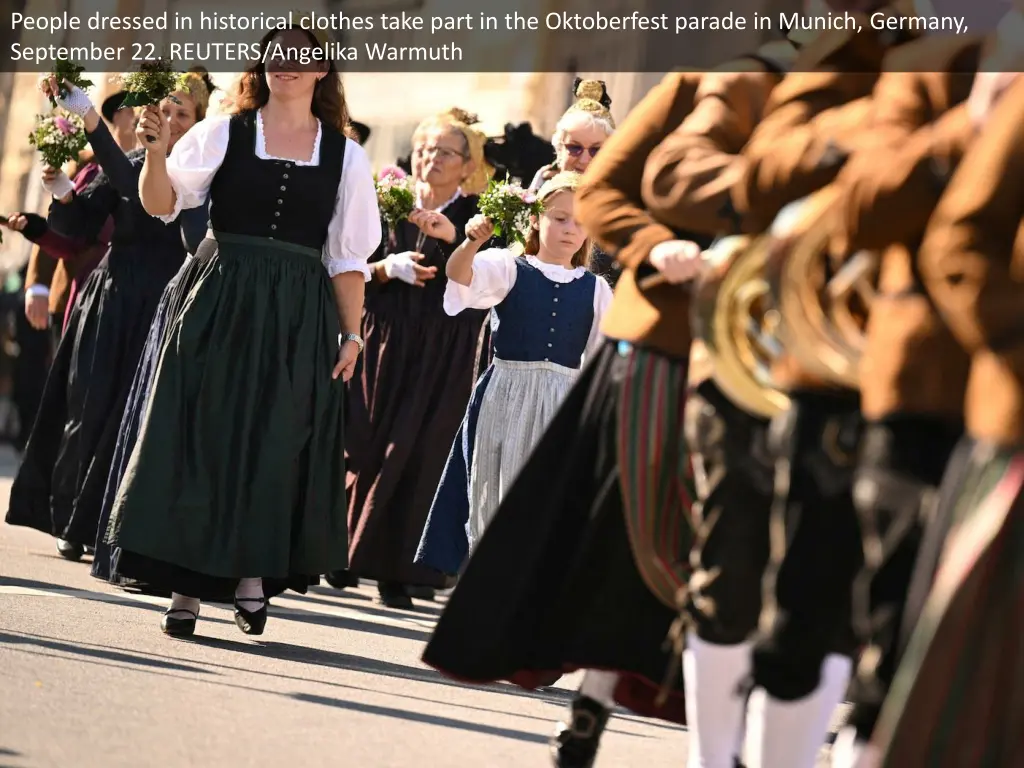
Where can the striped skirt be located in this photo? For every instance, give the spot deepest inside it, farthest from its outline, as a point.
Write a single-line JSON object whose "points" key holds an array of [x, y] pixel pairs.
{"points": [[957, 699]]}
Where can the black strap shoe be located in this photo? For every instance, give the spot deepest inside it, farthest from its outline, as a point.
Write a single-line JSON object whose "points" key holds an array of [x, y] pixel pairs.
{"points": [[179, 626], [575, 745], [251, 622]]}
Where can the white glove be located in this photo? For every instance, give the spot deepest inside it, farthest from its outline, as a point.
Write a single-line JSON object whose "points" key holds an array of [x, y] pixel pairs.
{"points": [[76, 102], [60, 186], [401, 266]]}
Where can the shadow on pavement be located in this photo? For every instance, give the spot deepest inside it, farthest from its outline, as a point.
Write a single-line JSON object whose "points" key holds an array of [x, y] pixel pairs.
{"points": [[419, 717], [347, 622], [99, 597], [98, 653]]}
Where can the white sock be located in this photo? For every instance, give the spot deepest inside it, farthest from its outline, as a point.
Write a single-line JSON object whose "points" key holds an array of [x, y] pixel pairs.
{"points": [[715, 704], [182, 603], [850, 752], [600, 686], [790, 734], [249, 594]]}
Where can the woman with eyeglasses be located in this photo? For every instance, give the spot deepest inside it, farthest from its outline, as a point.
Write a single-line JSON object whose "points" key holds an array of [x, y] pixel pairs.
{"points": [[579, 135], [410, 391]]}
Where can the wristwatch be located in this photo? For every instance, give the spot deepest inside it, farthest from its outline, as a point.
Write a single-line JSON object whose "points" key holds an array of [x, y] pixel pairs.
{"points": [[343, 337]]}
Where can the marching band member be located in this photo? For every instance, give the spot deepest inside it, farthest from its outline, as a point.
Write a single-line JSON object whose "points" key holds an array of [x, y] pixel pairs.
{"points": [[687, 182], [953, 701], [912, 372]]}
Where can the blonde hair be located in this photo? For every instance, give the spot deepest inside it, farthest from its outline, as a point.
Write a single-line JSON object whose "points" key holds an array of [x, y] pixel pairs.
{"points": [[566, 181], [194, 85]]}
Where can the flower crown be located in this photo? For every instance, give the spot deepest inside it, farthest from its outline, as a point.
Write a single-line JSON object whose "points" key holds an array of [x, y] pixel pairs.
{"points": [[592, 96]]}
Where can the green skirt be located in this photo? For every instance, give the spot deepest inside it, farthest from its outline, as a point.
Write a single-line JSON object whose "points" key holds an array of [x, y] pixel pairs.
{"points": [[239, 471]]}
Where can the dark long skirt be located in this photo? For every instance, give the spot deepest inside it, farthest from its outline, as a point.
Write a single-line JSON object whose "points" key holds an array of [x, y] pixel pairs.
{"points": [[957, 697], [407, 400], [138, 398], [60, 484], [238, 469], [553, 586]]}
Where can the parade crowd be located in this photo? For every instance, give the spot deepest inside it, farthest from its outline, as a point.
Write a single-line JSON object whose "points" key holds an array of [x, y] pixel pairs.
{"points": [[262, 380]]}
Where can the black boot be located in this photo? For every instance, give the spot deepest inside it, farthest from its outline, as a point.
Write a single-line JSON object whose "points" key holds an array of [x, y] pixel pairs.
{"points": [[341, 579], [69, 550], [394, 595], [575, 746]]}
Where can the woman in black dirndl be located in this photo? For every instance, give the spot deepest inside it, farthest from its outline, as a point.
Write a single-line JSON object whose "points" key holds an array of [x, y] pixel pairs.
{"points": [[236, 481], [59, 486]]}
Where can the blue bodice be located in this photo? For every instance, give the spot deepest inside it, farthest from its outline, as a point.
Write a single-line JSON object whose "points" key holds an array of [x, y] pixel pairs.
{"points": [[541, 320]]}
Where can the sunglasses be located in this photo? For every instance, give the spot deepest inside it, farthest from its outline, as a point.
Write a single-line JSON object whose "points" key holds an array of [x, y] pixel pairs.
{"points": [[575, 150]]}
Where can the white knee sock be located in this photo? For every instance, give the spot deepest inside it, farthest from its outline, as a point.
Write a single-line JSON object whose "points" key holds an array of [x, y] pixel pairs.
{"points": [[715, 704], [249, 594], [850, 752], [789, 734], [600, 686], [182, 603]]}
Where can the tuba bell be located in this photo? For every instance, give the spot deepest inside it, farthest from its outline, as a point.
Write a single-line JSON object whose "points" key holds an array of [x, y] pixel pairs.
{"points": [[734, 317], [823, 302]]}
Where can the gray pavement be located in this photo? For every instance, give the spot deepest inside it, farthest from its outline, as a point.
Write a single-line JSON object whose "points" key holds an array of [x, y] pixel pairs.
{"points": [[87, 679]]}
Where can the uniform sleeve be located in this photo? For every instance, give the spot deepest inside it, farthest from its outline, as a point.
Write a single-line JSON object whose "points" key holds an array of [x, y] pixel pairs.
{"points": [[494, 274], [354, 233], [688, 177], [194, 162], [602, 300]]}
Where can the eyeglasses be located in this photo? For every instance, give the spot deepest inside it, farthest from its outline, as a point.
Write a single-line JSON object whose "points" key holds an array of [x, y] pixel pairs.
{"points": [[575, 150], [442, 152]]}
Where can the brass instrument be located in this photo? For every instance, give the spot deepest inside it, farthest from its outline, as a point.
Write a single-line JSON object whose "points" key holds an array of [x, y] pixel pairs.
{"points": [[734, 318], [782, 292], [823, 301]]}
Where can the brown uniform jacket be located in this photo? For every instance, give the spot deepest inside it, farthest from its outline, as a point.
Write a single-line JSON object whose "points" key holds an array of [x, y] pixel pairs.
{"points": [[43, 269], [689, 176], [609, 206], [920, 129], [972, 262]]}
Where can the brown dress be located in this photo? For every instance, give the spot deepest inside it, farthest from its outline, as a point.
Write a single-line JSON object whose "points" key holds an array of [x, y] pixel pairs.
{"points": [[405, 404]]}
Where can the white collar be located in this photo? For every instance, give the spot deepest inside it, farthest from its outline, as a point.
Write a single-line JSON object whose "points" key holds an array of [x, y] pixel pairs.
{"points": [[261, 144], [452, 199], [555, 272]]}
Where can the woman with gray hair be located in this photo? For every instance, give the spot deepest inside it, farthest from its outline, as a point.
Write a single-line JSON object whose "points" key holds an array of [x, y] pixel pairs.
{"points": [[579, 134]]}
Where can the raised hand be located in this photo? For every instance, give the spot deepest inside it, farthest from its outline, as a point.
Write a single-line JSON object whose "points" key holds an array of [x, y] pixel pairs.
{"points": [[434, 224], [153, 130], [479, 228]]}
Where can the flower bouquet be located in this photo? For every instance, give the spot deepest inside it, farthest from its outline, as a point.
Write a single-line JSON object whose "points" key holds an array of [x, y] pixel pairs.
{"points": [[59, 137], [394, 194], [509, 207], [153, 83], [66, 72]]}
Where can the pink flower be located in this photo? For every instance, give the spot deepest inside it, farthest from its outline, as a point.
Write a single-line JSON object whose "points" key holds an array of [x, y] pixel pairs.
{"points": [[529, 198], [392, 172], [64, 125]]}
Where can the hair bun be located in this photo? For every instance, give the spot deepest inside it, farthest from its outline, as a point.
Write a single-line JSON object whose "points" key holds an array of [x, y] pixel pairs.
{"points": [[467, 118], [593, 90]]}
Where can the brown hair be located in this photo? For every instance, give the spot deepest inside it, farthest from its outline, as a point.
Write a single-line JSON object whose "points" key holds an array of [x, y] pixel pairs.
{"points": [[579, 259], [328, 96]]}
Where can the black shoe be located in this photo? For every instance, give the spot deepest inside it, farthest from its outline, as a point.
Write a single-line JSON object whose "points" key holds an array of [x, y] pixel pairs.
{"points": [[394, 595], [341, 579], [251, 622], [422, 593], [69, 550], [178, 627], [575, 746]]}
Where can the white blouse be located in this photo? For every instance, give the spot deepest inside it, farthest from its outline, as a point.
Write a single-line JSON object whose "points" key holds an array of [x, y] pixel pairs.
{"points": [[494, 275], [354, 231]]}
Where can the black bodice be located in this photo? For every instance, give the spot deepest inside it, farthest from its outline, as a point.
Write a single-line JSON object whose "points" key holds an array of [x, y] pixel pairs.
{"points": [[276, 199]]}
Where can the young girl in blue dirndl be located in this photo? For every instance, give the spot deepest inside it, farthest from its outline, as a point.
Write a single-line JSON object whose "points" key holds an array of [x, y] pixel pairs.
{"points": [[546, 311]]}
